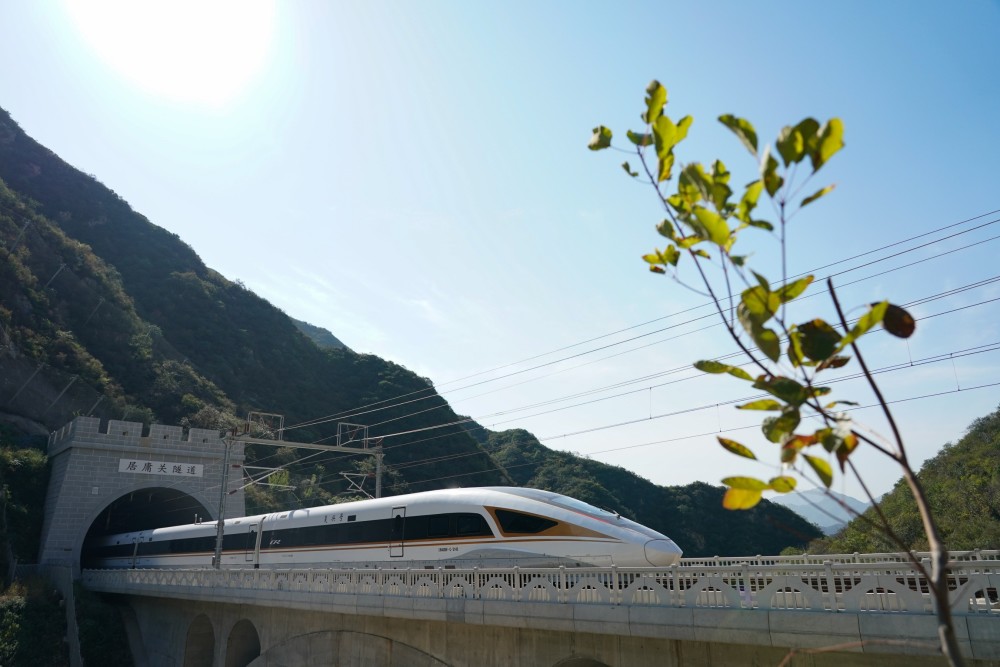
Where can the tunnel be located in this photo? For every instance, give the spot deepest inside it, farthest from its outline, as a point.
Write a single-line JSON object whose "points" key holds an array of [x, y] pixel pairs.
{"points": [[144, 509]]}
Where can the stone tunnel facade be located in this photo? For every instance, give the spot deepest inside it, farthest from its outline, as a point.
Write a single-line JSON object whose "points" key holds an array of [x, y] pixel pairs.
{"points": [[92, 468]]}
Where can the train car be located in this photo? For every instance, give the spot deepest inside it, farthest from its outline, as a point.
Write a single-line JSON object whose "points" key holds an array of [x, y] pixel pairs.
{"points": [[484, 527]]}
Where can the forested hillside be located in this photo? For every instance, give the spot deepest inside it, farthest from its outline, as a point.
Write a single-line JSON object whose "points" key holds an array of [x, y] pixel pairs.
{"points": [[963, 488], [104, 313]]}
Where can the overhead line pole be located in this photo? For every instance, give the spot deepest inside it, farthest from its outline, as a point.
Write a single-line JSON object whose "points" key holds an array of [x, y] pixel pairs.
{"points": [[351, 431]]}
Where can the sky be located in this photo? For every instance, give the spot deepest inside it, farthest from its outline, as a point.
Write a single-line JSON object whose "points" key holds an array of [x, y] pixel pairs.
{"points": [[414, 177]]}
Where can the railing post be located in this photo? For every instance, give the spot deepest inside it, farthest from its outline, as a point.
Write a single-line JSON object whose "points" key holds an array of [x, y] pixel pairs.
{"points": [[831, 585], [746, 593], [563, 593]]}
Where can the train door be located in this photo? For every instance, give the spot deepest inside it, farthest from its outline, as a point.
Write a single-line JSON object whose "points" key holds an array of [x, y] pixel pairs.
{"points": [[250, 553], [396, 532]]}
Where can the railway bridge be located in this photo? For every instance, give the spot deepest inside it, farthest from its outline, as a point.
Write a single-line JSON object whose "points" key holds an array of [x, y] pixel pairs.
{"points": [[826, 610], [853, 609]]}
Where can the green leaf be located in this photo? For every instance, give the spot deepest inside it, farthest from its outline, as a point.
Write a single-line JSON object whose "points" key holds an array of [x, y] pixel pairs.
{"points": [[874, 315], [656, 98], [821, 468], [831, 140], [819, 340], [736, 448], [769, 173], [791, 145], [711, 225], [759, 303], [628, 170], [740, 499], [898, 322], [640, 139], [664, 167], [742, 129], [666, 229], [669, 255], [683, 125], [748, 483], [657, 269], [833, 362], [761, 404], [666, 135], [782, 388], [792, 446], [767, 341], [808, 130], [783, 484], [793, 289], [795, 355], [776, 429], [601, 138], [762, 224], [718, 367], [816, 195], [749, 201], [832, 405]]}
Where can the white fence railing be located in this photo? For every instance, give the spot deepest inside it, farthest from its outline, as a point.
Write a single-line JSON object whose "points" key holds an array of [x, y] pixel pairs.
{"points": [[892, 586]]}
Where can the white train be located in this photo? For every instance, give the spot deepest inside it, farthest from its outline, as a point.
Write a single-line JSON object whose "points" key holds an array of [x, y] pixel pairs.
{"points": [[485, 527]]}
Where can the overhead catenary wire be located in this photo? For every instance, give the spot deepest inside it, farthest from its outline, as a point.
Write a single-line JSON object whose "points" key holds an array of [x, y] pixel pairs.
{"points": [[389, 403], [464, 421]]}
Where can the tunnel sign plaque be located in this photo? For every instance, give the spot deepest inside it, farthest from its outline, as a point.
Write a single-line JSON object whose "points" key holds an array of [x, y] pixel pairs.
{"points": [[172, 468]]}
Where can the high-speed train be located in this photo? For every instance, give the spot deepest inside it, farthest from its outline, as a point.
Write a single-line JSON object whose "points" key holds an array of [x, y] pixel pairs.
{"points": [[484, 527]]}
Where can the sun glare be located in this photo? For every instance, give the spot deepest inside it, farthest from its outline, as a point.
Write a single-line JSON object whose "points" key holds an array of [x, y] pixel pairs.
{"points": [[197, 52]]}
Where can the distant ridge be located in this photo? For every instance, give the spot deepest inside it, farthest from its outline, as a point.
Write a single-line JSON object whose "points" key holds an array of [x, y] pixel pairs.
{"points": [[822, 508], [322, 337]]}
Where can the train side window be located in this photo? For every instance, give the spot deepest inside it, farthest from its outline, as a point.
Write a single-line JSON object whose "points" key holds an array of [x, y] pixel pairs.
{"points": [[471, 524], [517, 522], [415, 528], [437, 525]]}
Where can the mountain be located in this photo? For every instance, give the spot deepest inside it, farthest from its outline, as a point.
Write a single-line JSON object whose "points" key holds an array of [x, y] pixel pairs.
{"points": [[824, 508], [323, 338], [104, 313], [962, 484]]}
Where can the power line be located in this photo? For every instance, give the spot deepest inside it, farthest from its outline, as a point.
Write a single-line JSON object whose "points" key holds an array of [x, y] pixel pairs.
{"points": [[349, 414]]}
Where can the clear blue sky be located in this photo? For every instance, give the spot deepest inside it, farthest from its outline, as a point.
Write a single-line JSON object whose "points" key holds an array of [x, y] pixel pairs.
{"points": [[414, 178]]}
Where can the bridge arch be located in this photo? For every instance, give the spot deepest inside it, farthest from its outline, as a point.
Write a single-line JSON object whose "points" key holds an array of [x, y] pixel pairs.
{"points": [[580, 661], [199, 645], [243, 645], [330, 647]]}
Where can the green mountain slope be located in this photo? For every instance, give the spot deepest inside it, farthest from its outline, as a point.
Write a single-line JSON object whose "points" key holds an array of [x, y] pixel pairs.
{"points": [[104, 313], [962, 484]]}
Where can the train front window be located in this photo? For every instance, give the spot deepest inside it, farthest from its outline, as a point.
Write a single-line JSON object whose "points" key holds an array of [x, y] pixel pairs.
{"points": [[579, 506], [518, 522]]}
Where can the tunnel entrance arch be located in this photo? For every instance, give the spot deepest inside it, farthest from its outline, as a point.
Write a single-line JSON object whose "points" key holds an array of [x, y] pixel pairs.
{"points": [[100, 474], [142, 509]]}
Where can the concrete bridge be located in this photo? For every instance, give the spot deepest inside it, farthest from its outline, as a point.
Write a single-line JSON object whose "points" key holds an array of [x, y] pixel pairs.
{"points": [[852, 609], [827, 610]]}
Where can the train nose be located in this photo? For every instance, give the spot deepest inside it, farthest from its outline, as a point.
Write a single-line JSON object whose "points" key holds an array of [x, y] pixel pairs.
{"points": [[662, 552]]}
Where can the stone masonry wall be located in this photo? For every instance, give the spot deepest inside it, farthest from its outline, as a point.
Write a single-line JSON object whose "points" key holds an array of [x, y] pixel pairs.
{"points": [[85, 476]]}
